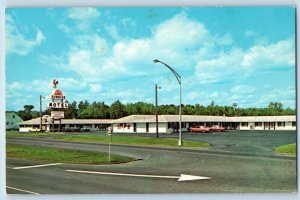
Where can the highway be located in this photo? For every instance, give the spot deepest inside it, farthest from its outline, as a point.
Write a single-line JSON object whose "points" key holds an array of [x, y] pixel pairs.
{"points": [[229, 171]]}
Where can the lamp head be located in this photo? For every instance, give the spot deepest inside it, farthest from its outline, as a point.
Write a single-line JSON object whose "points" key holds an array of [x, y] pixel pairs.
{"points": [[155, 61]]}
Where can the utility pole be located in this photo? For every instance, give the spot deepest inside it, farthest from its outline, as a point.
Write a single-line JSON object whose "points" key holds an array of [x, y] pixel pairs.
{"points": [[41, 113]]}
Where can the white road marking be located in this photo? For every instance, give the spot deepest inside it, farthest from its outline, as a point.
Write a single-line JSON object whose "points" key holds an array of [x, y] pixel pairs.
{"points": [[35, 166], [30, 192], [182, 177]]}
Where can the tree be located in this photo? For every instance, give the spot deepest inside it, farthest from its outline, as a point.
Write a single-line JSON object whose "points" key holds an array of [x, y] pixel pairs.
{"points": [[71, 111], [234, 105], [83, 111], [275, 108], [117, 110], [28, 108], [26, 114]]}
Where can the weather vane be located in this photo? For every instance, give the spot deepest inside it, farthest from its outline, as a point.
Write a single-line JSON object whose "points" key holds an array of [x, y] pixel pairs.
{"points": [[55, 82]]}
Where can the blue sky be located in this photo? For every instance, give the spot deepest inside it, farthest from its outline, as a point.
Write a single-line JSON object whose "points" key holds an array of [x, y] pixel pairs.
{"points": [[243, 55]]}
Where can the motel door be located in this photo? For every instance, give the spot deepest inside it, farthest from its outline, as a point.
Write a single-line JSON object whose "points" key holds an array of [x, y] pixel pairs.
{"points": [[272, 125], [266, 125]]}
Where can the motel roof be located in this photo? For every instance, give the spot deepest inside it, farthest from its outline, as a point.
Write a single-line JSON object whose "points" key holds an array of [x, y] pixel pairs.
{"points": [[36, 121], [289, 118], [202, 118], [169, 118]]}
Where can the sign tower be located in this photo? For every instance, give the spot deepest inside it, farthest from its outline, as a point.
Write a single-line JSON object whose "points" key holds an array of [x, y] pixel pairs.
{"points": [[57, 106]]}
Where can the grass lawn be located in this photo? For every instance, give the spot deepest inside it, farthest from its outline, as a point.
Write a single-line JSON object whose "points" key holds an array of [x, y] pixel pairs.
{"points": [[117, 139], [30, 134], [287, 148], [62, 155], [132, 140]]}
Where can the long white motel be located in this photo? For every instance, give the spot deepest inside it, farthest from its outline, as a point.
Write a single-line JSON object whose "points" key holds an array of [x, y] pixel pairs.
{"points": [[166, 123]]}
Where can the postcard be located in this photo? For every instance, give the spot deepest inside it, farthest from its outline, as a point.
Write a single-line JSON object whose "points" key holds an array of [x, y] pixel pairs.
{"points": [[150, 100]]}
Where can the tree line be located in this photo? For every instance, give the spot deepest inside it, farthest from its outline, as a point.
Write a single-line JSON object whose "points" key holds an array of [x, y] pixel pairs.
{"points": [[100, 110]]}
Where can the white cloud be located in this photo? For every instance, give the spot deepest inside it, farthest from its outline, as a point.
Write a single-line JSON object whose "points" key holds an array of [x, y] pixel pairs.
{"points": [[242, 89], [133, 50], [224, 40], [128, 22], [250, 33], [213, 95], [83, 17], [179, 32], [95, 87], [238, 64], [286, 96], [15, 86], [82, 14], [223, 66], [112, 31], [280, 54], [45, 86], [16, 42]]}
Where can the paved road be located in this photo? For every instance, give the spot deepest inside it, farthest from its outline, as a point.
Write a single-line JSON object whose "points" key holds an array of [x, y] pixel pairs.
{"points": [[230, 172]]}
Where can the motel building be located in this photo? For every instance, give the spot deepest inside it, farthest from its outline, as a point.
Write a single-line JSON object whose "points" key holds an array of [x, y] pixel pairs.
{"points": [[166, 123], [65, 125]]}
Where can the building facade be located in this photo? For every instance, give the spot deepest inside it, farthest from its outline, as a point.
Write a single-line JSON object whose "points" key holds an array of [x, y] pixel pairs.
{"points": [[266, 122], [12, 121], [169, 123], [166, 123], [67, 125]]}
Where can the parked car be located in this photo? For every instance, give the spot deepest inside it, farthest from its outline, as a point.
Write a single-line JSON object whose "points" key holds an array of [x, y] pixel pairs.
{"points": [[216, 128], [35, 130], [85, 129], [199, 129], [71, 129]]}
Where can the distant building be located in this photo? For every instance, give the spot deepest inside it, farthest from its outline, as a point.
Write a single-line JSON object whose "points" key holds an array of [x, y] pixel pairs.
{"points": [[12, 121], [166, 123], [66, 124]]}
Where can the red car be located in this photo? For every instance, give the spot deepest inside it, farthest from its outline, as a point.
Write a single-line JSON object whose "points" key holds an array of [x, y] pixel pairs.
{"points": [[216, 128], [199, 129]]}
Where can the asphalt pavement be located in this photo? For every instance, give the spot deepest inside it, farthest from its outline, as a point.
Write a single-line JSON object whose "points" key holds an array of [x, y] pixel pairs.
{"points": [[236, 162]]}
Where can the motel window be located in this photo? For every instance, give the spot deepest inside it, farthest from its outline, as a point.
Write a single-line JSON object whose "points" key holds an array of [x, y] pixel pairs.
{"points": [[293, 124], [172, 125], [245, 124], [281, 124], [258, 124], [7, 123]]}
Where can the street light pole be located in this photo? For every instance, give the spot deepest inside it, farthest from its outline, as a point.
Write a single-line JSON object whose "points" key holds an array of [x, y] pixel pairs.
{"points": [[178, 77], [156, 109]]}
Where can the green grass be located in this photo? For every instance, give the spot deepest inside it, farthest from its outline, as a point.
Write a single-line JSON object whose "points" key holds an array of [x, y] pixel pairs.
{"points": [[62, 155], [30, 134], [287, 148], [132, 140], [117, 139]]}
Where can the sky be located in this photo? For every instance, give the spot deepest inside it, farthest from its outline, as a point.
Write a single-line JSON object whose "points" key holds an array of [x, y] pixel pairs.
{"points": [[243, 55]]}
